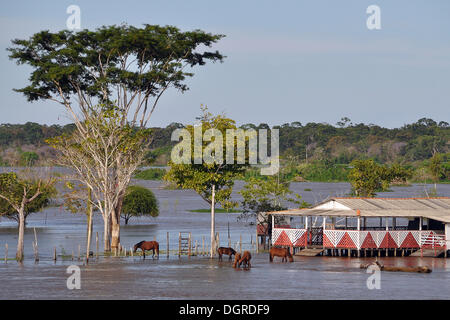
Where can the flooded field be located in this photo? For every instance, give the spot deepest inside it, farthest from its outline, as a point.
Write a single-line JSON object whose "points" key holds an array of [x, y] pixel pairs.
{"points": [[200, 277]]}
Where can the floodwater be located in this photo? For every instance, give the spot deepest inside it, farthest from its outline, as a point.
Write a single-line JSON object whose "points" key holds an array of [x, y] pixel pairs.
{"points": [[199, 277]]}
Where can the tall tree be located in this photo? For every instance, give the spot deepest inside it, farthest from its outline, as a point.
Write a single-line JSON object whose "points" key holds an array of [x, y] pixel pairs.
{"points": [[122, 65], [212, 180], [20, 196], [93, 154]]}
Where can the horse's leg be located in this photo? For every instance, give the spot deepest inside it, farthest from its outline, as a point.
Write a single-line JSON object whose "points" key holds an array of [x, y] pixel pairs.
{"points": [[143, 253]]}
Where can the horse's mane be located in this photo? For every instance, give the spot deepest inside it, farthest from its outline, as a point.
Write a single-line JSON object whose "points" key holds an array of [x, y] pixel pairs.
{"points": [[138, 244]]}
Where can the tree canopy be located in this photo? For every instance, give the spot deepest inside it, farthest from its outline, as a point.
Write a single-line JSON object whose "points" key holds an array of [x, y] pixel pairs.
{"points": [[139, 201]]}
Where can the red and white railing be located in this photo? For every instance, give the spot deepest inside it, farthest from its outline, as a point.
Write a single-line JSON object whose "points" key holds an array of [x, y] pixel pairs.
{"points": [[366, 239]]}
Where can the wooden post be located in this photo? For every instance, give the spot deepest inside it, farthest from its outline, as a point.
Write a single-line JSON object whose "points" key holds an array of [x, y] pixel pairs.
{"points": [[240, 243], [72, 254], [179, 245], [131, 251], [6, 253], [196, 248], [168, 248], [35, 246], [216, 243], [189, 245], [79, 252], [96, 244], [54, 254], [257, 242], [203, 245]]}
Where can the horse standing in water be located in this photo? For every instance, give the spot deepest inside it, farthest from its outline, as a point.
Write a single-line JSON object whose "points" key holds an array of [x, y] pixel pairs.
{"points": [[243, 259], [284, 253], [147, 245], [228, 251]]}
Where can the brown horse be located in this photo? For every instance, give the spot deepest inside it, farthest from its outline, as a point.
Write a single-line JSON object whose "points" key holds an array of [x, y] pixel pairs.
{"points": [[284, 253], [243, 259], [237, 257], [228, 251], [147, 245]]}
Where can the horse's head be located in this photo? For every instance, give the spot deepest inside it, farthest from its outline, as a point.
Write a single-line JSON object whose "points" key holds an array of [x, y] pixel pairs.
{"points": [[237, 257], [233, 251], [137, 246]]}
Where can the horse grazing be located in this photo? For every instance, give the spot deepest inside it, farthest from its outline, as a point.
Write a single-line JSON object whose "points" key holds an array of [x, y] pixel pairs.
{"points": [[228, 251], [284, 253], [237, 257], [147, 245], [243, 259]]}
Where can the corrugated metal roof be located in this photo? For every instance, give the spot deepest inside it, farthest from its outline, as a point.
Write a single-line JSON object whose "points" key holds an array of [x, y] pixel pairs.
{"points": [[432, 208]]}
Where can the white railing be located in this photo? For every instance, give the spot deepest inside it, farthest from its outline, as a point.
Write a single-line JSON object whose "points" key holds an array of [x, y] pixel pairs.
{"points": [[432, 239], [362, 239]]}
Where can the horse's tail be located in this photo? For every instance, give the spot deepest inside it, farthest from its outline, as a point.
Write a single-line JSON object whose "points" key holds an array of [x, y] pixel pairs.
{"points": [[157, 249]]}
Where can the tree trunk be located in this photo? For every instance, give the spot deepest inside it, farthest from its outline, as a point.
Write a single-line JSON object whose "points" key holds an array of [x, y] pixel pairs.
{"points": [[107, 233], [213, 223], [89, 225], [115, 234], [115, 231], [20, 254]]}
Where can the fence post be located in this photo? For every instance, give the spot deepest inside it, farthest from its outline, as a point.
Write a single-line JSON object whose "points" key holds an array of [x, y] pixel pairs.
{"points": [[54, 254], [96, 245], [168, 248], [179, 245], [203, 245], [6, 253], [240, 243], [189, 245]]}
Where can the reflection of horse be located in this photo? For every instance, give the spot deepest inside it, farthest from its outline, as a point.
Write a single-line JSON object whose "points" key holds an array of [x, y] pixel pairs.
{"points": [[147, 245], [243, 259], [228, 251], [284, 253]]}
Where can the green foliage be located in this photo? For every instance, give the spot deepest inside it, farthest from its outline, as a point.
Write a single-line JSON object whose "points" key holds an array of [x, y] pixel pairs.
{"points": [[28, 158], [436, 167], [139, 201], [368, 177], [150, 174], [271, 194], [202, 177], [12, 194], [94, 60]]}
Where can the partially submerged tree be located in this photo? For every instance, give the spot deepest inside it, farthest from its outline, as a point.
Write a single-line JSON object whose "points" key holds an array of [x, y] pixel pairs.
{"points": [[131, 66], [21, 196], [94, 152], [138, 202], [266, 195], [368, 177], [212, 180]]}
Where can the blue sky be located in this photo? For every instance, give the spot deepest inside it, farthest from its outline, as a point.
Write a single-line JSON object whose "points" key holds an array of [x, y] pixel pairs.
{"points": [[307, 61]]}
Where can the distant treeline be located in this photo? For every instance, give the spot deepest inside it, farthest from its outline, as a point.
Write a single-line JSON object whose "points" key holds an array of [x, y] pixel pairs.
{"points": [[334, 144]]}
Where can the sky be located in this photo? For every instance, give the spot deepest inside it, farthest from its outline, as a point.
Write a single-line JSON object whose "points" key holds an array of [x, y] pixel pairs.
{"points": [[286, 61]]}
